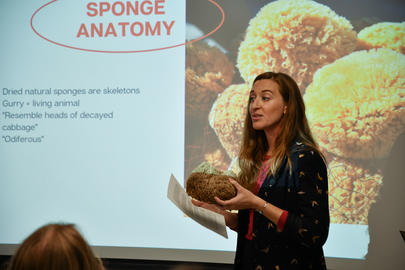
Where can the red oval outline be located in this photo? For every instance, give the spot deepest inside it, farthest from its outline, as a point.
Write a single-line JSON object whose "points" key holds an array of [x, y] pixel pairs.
{"points": [[138, 51]]}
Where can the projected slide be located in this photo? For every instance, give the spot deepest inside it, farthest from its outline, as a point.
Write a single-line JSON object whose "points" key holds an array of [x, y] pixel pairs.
{"points": [[92, 122], [101, 101]]}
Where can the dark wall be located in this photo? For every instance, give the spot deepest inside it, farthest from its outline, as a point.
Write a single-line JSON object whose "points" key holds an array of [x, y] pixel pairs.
{"points": [[126, 264]]}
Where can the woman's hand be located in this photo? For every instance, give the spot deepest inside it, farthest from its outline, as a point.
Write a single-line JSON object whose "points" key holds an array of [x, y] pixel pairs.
{"points": [[231, 219], [212, 207], [244, 199]]}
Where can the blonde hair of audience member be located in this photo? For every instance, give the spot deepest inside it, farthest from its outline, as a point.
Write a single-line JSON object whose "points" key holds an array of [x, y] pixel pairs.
{"points": [[55, 247]]}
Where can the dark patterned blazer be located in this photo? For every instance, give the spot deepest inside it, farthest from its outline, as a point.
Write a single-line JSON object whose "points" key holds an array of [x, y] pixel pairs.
{"points": [[303, 192]]}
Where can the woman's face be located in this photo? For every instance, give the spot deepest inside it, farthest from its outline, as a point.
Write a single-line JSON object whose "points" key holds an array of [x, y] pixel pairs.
{"points": [[266, 105]]}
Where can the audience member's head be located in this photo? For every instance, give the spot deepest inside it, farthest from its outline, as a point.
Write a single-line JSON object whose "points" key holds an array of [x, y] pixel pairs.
{"points": [[55, 247]]}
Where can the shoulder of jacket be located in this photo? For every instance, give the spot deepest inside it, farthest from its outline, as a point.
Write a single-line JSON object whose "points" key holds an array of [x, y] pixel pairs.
{"points": [[299, 151], [298, 148]]}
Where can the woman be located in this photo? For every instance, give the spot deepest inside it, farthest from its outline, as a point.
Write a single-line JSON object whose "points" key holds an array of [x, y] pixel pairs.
{"points": [[282, 189], [55, 247]]}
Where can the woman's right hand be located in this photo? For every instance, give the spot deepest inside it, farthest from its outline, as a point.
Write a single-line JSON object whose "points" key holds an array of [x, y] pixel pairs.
{"points": [[212, 207], [231, 219]]}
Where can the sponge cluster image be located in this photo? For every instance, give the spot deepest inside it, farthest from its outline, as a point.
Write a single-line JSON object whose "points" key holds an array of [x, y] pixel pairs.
{"points": [[294, 37], [353, 84]]}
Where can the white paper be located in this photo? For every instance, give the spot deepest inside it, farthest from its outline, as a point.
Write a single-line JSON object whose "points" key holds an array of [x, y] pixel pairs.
{"points": [[207, 218]]}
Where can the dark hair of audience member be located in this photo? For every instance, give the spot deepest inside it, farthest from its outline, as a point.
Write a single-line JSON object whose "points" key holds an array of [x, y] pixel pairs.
{"points": [[55, 247]]}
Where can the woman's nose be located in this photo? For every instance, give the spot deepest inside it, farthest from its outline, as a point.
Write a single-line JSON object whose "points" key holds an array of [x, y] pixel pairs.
{"points": [[256, 103]]}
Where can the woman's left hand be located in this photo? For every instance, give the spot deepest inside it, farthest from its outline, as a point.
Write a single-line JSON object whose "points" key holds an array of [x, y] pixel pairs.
{"points": [[244, 199]]}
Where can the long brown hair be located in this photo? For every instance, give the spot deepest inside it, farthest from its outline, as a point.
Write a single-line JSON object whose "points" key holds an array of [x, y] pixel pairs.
{"points": [[294, 126], [55, 247]]}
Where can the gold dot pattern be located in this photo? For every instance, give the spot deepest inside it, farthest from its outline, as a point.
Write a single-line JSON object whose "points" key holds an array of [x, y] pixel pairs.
{"points": [[304, 195]]}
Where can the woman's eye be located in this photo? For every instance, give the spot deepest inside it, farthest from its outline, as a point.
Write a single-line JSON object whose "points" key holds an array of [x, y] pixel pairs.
{"points": [[266, 98], [251, 99]]}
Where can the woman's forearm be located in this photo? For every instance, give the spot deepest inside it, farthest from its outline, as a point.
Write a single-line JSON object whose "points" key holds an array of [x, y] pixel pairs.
{"points": [[231, 220], [270, 211]]}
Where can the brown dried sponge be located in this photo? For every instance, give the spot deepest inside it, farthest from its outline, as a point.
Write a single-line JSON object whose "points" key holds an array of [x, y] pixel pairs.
{"points": [[296, 37], [204, 187]]}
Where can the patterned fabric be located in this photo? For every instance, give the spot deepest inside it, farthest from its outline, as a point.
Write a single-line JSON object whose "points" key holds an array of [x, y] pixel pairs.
{"points": [[304, 194]]}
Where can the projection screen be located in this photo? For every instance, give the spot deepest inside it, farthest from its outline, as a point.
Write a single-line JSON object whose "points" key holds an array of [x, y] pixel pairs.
{"points": [[101, 101]]}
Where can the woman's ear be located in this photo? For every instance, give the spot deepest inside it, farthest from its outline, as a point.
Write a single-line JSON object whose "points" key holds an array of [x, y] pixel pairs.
{"points": [[285, 109]]}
